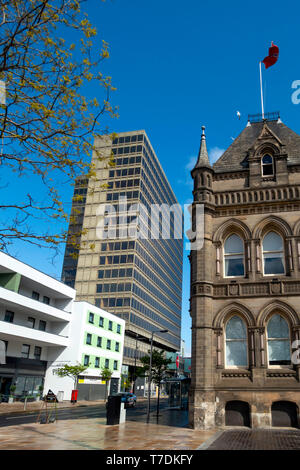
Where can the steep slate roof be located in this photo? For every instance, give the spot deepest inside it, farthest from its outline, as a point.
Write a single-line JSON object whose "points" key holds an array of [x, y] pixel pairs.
{"points": [[235, 157]]}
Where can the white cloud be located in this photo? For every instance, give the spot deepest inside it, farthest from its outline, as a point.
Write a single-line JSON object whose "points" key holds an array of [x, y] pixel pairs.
{"points": [[186, 179], [215, 153], [191, 163], [188, 201]]}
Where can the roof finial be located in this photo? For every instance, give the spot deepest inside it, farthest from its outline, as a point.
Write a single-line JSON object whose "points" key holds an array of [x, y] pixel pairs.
{"points": [[203, 160]]}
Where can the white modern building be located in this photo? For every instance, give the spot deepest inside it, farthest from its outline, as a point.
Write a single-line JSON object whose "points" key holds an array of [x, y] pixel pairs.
{"points": [[97, 341], [43, 328], [35, 318]]}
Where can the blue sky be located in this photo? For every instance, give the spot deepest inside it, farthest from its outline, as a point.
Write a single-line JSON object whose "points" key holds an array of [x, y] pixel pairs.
{"points": [[180, 65]]}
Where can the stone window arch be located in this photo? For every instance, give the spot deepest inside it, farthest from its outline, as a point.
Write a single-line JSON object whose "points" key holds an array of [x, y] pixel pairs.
{"points": [[265, 248], [221, 322], [232, 243]]}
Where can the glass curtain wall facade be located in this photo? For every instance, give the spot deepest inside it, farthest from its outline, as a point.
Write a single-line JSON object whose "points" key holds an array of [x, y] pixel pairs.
{"points": [[137, 278]]}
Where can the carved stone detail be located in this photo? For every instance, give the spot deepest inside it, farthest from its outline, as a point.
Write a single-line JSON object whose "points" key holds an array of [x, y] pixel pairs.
{"points": [[275, 287], [233, 289], [281, 374], [257, 289], [236, 374]]}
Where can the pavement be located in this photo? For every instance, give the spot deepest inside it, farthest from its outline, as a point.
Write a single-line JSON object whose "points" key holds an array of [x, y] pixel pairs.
{"points": [[83, 427], [255, 439], [89, 431]]}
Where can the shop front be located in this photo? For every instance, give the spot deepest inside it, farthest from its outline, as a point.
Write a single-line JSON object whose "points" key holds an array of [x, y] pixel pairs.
{"points": [[27, 375]]}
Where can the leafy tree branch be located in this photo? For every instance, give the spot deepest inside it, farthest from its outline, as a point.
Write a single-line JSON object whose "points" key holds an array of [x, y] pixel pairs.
{"points": [[47, 124]]}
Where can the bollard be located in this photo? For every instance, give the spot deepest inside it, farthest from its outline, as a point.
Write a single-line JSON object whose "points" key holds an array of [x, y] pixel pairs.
{"points": [[25, 403]]}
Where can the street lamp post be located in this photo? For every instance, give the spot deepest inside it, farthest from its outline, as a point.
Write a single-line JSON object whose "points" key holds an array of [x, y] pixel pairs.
{"points": [[150, 370], [136, 338]]}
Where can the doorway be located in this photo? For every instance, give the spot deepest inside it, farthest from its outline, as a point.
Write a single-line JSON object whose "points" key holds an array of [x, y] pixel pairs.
{"points": [[5, 384], [285, 414], [237, 413]]}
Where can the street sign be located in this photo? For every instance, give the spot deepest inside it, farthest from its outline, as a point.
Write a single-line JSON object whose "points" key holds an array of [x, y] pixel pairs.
{"points": [[51, 397]]}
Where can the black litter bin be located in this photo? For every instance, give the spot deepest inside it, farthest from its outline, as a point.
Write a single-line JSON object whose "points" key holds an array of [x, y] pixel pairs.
{"points": [[113, 409]]}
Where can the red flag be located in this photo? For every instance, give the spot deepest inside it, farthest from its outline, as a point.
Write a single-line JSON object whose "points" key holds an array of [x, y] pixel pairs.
{"points": [[271, 59]]}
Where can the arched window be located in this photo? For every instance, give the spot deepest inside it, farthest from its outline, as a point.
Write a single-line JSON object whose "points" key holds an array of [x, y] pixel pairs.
{"points": [[267, 165], [234, 256], [279, 349], [273, 254], [236, 343]]}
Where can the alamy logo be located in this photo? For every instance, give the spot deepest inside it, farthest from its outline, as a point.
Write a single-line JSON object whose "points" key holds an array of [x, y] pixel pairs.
{"points": [[296, 353], [156, 221], [296, 93]]}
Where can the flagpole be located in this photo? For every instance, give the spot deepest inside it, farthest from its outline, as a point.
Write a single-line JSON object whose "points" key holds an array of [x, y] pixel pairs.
{"points": [[261, 93]]}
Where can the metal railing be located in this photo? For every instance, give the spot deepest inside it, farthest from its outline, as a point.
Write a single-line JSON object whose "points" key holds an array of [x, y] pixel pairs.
{"points": [[274, 116]]}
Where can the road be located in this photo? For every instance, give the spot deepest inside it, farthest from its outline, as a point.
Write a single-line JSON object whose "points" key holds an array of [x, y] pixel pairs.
{"points": [[80, 412]]}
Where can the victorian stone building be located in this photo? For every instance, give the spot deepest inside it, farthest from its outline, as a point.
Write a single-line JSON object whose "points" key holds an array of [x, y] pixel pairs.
{"points": [[245, 281]]}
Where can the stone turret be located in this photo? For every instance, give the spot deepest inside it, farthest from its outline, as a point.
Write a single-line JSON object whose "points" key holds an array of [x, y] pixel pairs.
{"points": [[202, 173]]}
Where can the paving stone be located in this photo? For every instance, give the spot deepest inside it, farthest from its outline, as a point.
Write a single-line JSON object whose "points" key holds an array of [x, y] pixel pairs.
{"points": [[88, 434], [258, 439]]}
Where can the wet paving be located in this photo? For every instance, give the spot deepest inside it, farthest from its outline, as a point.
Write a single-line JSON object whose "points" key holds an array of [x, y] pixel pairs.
{"points": [[169, 431], [86, 429], [94, 434], [257, 439]]}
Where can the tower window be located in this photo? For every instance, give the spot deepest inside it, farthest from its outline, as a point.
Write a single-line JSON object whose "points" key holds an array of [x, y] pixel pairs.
{"points": [[279, 351], [273, 254], [234, 256], [236, 343], [267, 165]]}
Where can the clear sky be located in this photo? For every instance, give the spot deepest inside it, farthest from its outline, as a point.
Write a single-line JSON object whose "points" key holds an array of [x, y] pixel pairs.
{"points": [[178, 65]]}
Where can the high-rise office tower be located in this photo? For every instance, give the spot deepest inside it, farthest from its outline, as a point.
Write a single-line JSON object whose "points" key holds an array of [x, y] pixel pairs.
{"points": [[138, 278]]}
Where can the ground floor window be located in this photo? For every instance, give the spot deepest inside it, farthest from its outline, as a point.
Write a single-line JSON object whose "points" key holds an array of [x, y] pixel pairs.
{"points": [[28, 385]]}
